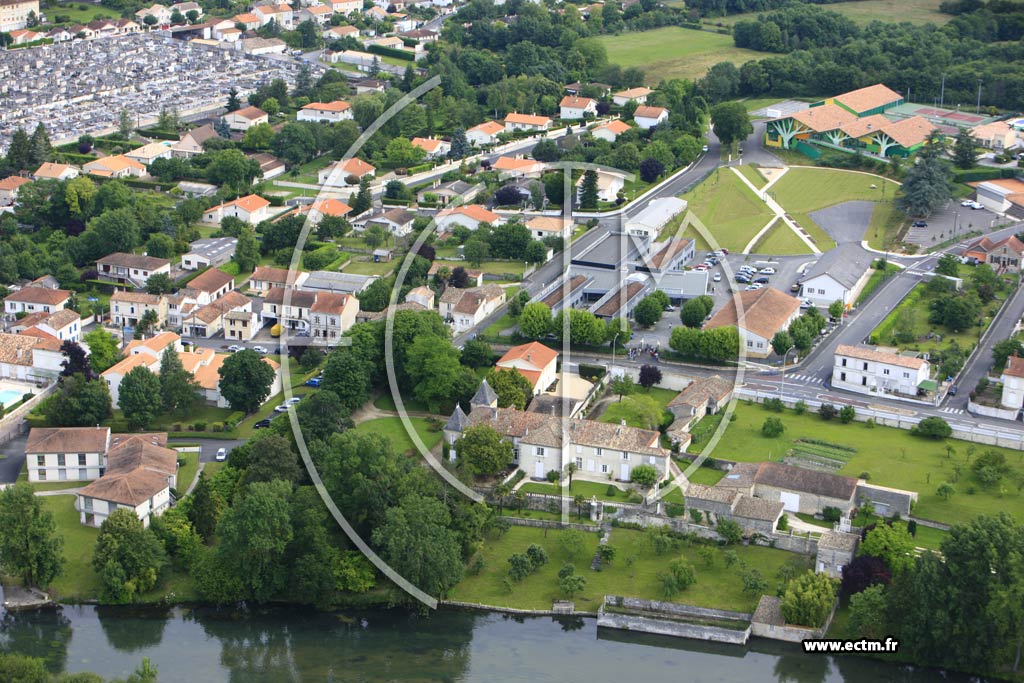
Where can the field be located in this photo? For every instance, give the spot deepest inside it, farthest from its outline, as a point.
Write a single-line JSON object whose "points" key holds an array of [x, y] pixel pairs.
{"points": [[80, 13], [588, 489], [866, 11], [728, 209], [674, 52], [875, 281], [780, 240], [886, 222], [892, 457], [913, 313], [633, 572], [803, 190], [626, 410], [750, 172], [394, 430], [79, 580]]}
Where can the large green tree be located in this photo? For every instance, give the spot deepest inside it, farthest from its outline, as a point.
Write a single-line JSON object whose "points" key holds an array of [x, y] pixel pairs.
{"points": [[965, 155], [731, 122], [30, 547], [928, 183], [103, 348], [512, 388], [206, 505], [78, 402], [348, 377], [139, 397], [245, 380], [179, 391], [128, 557], [483, 451], [808, 599], [416, 539]]}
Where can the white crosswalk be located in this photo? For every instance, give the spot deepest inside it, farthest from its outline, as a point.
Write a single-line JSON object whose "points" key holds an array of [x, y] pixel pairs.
{"points": [[806, 379], [952, 411]]}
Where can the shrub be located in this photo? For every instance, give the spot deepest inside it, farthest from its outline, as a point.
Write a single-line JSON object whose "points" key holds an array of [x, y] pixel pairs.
{"points": [[831, 514], [846, 414], [774, 404], [783, 523], [827, 411], [933, 428], [866, 476], [552, 476], [644, 475], [611, 491], [772, 427], [199, 426], [800, 407], [696, 515], [730, 531]]}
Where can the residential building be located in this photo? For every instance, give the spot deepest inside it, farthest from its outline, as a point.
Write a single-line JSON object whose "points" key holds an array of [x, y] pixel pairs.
{"points": [[52, 171], [609, 185], [330, 281], [9, 189], [444, 193], [322, 315], [251, 209], [31, 356], [208, 321], [422, 295], [117, 166], [210, 285], [127, 308], [116, 373], [369, 85], [318, 14], [154, 346], [638, 95], [241, 325], [131, 269], [191, 143], [265, 278], [245, 118], [838, 275], [345, 6], [326, 112], [209, 252], [518, 167], [249, 20], [703, 396], [716, 503], [65, 324], [270, 166], [997, 136], [149, 153], [648, 117], [14, 14], [573, 108], [318, 209], [339, 32], [550, 226], [282, 14], [397, 221], [529, 122], [798, 489], [66, 453], [765, 312], [610, 131], [332, 315], [363, 61], [534, 361], [433, 147], [867, 370], [35, 299], [468, 215], [484, 134], [161, 13], [1013, 383], [343, 173], [24, 36], [464, 309]]}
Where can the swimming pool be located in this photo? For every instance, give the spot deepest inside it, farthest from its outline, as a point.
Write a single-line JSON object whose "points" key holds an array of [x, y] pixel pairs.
{"points": [[9, 397]]}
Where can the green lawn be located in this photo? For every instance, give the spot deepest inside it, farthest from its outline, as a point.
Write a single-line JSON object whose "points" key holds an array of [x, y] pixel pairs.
{"points": [[706, 476], [885, 226], [80, 13], [387, 402], [587, 489], [875, 281], [187, 472], [866, 11], [394, 430], [370, 267], [892, 457], [780, 239], [505, 322], [751, 173], [78, 581], [505, 268], [728, 209], [674, 52], [633, 572], [914, 310]]}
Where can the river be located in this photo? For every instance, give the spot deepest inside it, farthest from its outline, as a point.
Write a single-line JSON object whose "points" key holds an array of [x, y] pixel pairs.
{"points": [[203, 645]]}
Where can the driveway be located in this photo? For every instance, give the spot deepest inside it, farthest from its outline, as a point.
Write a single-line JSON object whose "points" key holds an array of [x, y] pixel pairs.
{"points": [[846, 222], [14, 457]]}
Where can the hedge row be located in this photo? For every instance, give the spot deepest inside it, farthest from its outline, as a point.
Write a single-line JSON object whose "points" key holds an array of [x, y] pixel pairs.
{"points": [[974, 175], [392, 52]]}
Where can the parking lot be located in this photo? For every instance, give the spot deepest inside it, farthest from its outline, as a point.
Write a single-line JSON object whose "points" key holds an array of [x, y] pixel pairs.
{"points": [[952, 222]]}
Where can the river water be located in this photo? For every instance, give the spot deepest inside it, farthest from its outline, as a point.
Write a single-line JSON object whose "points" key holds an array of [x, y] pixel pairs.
{"points": [[202, 645]]}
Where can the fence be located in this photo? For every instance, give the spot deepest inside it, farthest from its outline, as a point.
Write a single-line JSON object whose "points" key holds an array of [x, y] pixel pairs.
{"points": [[549, 524], [13, 423]]}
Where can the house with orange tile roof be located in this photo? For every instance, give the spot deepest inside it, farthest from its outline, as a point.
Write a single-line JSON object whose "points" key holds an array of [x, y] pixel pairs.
{"points": [[249, 20], [550, 226], [646, 117], [149, 153], [207, 321], [52, 171], [345, 6], [35, 299], [464, 309], [127, 308], [610, 131], [332, 315], [64, 325], [341, 173], [30, 356], [251, 209], [155, 346], [9, 189], [245, 118], [318, 14], [317, 210], [468, 215], [484, 134], [573, 107], [517, 167], [66, 453], [116, 166], [280, 13], [638, 95], [325, 112], [206, 371], [265, 278], [433, 147], [765, 312], [997, 136], [530, 122], [535, 362]]}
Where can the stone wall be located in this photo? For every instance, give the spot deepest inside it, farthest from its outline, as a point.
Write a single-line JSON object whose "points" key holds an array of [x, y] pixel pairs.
{"points": [[802, 543], [673, 622], [790, 634], [549, 524], [809, 503], [991, 411]]}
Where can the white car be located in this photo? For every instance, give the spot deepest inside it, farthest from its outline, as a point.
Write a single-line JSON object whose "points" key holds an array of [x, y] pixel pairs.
{"points": [[717, 277], [283, 408], [967, 202], [235, 347], [222, 455], [705, 148], [767, 271], [976, 205], [260, 350], [293, 400], [754, 286]]}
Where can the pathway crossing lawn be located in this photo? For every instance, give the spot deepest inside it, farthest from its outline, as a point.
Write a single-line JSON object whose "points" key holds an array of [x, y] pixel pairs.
{"points": [[892, 457], [731, 212], [633, 572], [820, 238], [780, 239], [394, 430], [674, 52], [751, 173]]}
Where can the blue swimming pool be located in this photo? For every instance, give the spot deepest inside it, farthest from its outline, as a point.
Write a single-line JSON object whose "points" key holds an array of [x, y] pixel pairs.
{"points": [[9, 397]]}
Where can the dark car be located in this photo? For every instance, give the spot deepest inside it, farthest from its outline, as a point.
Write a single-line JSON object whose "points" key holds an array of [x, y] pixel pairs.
{"points": [[919, 224], [762, 280], [795, 287], [742, 280], [262, 424], [313, 382], [953, 389]]}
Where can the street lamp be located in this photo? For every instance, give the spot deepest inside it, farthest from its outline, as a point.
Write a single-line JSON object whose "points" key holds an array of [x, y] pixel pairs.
{"points": [[782, 384], [614, 339]]}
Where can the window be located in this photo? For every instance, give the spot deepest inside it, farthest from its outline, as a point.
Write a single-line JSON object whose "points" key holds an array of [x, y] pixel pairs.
{"points": [[865, 366], [885, 371], [843, 363], [579, 463], [540, 450], [625, 455], [760, 345], [604, 469], [600, 451], [83, 473], [86, 503], [42, 475], [750, 344], [842, 376], [906, 375], [40, 461], [863, 381], [60, 460]]}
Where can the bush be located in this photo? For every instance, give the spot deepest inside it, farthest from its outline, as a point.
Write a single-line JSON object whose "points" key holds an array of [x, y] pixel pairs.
{"points": [[772, 427], [933, 428], [199, 426], [611, 491], [644, 475], [730, 531], [800, 407], [774, 404], [827, 411], [553, 476], [846, 414], [831, 514], [591, 373], [783, 523]]}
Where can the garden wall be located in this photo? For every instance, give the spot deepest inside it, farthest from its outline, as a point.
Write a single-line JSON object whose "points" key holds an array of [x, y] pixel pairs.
{"points": [[991, 411], [548, 524], [673, 620]]}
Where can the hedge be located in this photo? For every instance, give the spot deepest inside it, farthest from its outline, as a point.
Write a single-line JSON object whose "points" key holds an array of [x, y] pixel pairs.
{"points": [[159, 134], [73, 157], [392, 52], [978, 174], [422, 168], [591, 372]]}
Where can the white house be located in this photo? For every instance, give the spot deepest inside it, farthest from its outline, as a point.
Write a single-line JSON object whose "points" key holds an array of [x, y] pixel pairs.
{"points": [[149, 153], [282, 14], [518, 167], [345, 6], [340, 173], [131, 269], [35, 299], [51, 171], [326, 112], [464, 309], [127, 308], [251, 209], [265, 278], [638, 95], [9, 189], [66, 453], [31, 356], [573, 107], [608, 185], [550, 226], [649, 117], [469, 216], [245, 118], [433, 147], [191, 143], [765, 312], [610, 131], [535, 362], [529, 122], [116, 166], [65, 324], [211, 251], [397, 221], [484, 134], [837, 275], [1013, 383], [866, 370], [318, 14]]}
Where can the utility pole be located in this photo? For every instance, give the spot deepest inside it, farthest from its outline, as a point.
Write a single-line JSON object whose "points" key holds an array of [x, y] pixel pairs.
{"points": [[979, 97], [942, 93]]}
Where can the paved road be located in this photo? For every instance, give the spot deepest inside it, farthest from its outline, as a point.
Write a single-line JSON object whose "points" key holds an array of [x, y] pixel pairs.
{"points": [[846, 222], [14, 457]]}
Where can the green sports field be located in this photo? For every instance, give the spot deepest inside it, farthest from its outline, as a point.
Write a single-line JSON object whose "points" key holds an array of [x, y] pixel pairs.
{"points": [[674, 52], [866, 11]]}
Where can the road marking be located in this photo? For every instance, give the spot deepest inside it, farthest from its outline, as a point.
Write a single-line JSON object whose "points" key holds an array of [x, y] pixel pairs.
{"points": [[952, 411]]}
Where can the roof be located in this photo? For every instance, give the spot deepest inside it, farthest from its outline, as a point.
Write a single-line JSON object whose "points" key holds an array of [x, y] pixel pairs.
{"points": [[513, 164], [115, 163], [212, 246], [157, 343], [868, 124], [458, 421], [469, 300], [488, 128], [484, 395], [534, 353], [210, 280], [136, 298], [276, 275], [845, 264], [553, 224], [645, 112], [250, 203], [39, 295], [208, 375], [201, 134], [671, 249], [871, 97], [750, 507], [355, 166], [712, 494], [528, 119], [838, 540], [251, 113], [622, 296], [13, 182], [824, 118], [127, 364], [330, 302], [574, 102], [701, 390], [336, 105], [332, 207], [246, 18], [428, 144], [634, 92], [215, 309], [139, 261], [1014, 366], [126, 488], [910, 132], [51, 170], [804, 480], [557, 294], [765, 311], [872, 354], [298, 299], [67, 440], [151, 150], [475, 211], [618, 126]]}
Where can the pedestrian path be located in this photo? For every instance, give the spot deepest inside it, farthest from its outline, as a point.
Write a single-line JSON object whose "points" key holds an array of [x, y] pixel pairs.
{"points": [[806, 379], [952, 411], [780, 214]]}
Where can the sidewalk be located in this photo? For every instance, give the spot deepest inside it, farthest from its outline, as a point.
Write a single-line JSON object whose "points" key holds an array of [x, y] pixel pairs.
{"points": [[780, 214]]}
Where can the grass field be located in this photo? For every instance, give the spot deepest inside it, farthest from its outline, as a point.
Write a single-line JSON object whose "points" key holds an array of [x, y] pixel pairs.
{"points": [[78, 580], [369, 268], [728, 209], [886, 222], [751, 173], [892, 457], [633, 572], [866, 11], [80, 13], [674, 52], [916, 306], [780, 240], [628, 411], [587, 489], [394, 430], [874, 281]]}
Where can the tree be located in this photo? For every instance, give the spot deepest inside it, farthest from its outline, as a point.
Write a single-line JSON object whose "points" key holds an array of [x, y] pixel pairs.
{"points": [[231, 169], [247, 251], [730, 531], [258, 137], [569, 582], [847, 414], [79, 402], [103, 349], [271, 458], [868, 613], [933, 428], [695, 310], [125, 126], [835, 310], [322, 415], [622, 385], [253, 536], [233, 103], [535, 321], [948, 265], [75, 362], [348, 377], [179, 392], [245, 380], [928, 183], [139, 397], [477, 354], [588, 190], [781, 342], [772, 427], [827, 411], [809, 599], [649, 376], [572, 543], [644, 475], [363, 199], [648, 312], [128, 557], [483, 451], [731, 122], [460, 147], [476, 252], [433, 370], [30, 547], [864, 571], [892, 543], [40, 147], [651, 169], [205, 507], [417, 542], [512, 388], [679, 577], [964, 154]]}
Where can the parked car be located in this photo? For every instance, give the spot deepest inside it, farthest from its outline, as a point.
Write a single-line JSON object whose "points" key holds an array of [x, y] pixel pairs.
{"points": [[976, 205], [953, 389], [262, 350], [222, 455], [293, 400], [742, 279], [753, 287], [806, 303], [967, 202], [767, 271], [717, 277], [262, 424], [746, 269], [283, 408], [761, 280], [235, 347], [705, 148], [314, 382], [670, 308], [795, 287], [919, 224]]}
